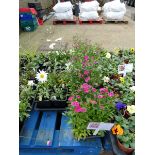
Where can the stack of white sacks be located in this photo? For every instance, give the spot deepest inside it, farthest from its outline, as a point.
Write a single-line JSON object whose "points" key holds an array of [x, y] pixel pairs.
{"points": [[63, 11], [88, 10], [114, 10]]}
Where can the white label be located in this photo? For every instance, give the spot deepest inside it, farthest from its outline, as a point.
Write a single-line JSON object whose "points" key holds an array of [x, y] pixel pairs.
{"points": [[99, 126], [121, 69], [128, 68], [93, 125]]}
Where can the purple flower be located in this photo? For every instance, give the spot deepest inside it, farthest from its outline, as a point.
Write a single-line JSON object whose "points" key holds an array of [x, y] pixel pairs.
{"points": [[120, 105]]}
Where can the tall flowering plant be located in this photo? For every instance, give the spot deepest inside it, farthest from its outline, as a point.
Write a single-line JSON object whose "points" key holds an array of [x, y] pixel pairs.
{"points": [[90, 105]]}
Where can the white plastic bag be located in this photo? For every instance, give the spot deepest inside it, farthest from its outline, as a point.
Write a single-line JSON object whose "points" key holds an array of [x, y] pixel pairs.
{"points": [[89, 6], [114, 6], [114, 15], [62, 7], [64, 16], [92, 15]]}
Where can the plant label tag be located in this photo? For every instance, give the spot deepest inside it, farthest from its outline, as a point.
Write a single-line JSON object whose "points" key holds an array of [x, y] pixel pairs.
{"points": [[106, 126], [93, 125], [128, 68], [121, 69], [96, 131]]}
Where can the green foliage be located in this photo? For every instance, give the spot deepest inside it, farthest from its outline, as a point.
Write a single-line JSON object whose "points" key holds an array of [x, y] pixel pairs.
{"points": [[24, 108]]}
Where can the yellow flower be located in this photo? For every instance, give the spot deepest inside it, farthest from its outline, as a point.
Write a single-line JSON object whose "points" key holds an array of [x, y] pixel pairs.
{"points": [[116, 51], [131, 109], [122, 79], [117, 130], [132, 50]]}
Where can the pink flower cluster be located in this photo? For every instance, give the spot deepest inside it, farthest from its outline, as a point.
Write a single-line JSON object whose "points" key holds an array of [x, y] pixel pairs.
{"points": [[78, 108], [86, 87], [86, 58], [87, 79], [103, 90], [70, 98]]}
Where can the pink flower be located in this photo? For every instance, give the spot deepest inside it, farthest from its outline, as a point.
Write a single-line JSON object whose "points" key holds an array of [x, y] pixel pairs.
{"points": [[83, 109], [70, 98], [103, 90], [86, 90], [94, 89], [110, 94], [78, 97], [85, 86], [77, 109], [101, 107], [100, 96], [86, 58], [93, 102], [87, 79], [75, 103], [86, 72]]}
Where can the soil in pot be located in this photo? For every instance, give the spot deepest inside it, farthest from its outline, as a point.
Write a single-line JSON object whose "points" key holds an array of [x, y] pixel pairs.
{"points": [[50, 105], [44, 104], [128, 151], [59, 104]]}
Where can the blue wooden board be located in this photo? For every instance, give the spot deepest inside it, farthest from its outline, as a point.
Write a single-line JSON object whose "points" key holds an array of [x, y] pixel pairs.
{"points": [[46, 129], [63, 142], [28, 129]]}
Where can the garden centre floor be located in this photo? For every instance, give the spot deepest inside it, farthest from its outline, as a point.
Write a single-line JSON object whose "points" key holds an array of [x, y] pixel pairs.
{"points": [[108, 36]]}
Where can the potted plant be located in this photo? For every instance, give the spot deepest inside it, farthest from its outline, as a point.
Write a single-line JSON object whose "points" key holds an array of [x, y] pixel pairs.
{"points": [[51, 93], [125, 138]]}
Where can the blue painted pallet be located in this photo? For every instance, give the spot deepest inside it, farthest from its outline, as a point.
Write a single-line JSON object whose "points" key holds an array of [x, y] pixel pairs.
{"points": [[42, 126]]}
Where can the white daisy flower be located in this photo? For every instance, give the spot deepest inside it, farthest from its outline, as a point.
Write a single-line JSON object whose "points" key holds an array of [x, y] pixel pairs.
{"points": [[108, 55], [58, 39], [106, 79], [30, 83], [132, 88], [41, 76]]}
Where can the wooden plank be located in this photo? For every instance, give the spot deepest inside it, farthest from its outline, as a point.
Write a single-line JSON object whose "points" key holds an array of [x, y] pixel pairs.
{"points": [[28, 128], [65, 136], [64, 22], [97, 21], [125, 20], [46, 129]]}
